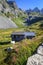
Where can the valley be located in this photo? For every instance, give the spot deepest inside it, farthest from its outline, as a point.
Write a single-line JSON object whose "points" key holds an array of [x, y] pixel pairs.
{"points": [[14, 19]]}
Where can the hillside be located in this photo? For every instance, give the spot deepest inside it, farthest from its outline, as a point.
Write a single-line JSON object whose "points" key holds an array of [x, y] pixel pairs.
{"points": [[23, 49], [6, 23], [11, 11], [12, 20], [18, 16]]}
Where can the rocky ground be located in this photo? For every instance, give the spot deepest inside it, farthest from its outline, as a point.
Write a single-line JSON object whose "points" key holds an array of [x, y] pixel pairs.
{"points": [[6, 23], [36, 59]]}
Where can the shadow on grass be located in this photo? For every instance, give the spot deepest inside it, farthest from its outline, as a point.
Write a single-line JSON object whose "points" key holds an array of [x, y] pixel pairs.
{"points": [[29, 22], [4, 43], [37, 48]]}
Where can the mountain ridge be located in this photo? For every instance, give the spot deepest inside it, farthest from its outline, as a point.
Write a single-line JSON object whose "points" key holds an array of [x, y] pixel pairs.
{"points": [[36, 9]]}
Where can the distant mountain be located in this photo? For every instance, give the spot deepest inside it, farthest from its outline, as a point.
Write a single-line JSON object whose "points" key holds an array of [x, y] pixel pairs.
{"points": [[12, 3], [10, 9], [36, 9], [29, 11], [42, 11], [10, 0]]}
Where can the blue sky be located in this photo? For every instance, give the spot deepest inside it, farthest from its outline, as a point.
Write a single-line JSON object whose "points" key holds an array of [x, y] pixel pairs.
{"points": [[26, 4]]}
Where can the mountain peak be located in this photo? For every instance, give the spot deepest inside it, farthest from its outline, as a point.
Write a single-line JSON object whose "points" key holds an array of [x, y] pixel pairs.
{"points": [[10, 0], [36, 9]]}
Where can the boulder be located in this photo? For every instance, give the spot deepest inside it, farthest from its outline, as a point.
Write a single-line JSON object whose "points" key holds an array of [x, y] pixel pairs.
{"points": [[36, 59]]}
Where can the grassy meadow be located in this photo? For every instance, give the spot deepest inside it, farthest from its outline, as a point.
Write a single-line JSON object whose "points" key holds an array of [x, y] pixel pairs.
{"points": [[23, 49]]}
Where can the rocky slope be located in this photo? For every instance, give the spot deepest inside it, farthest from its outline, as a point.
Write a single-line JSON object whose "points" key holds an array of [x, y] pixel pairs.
{"points": [[36, 59], [6, 6], [10, 9], [6, 23], [10, 6], [36, 10]]}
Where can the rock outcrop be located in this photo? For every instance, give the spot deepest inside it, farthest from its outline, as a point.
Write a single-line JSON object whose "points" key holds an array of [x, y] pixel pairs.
{"points": [[10, 10], [5, 6], [36, 59], [11, 7], [6, 23]]}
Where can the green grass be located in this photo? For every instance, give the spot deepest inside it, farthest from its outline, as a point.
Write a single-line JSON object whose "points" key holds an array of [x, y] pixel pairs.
{"points": [[3, 54], [24, 49], [5, 35], [19, 22]]}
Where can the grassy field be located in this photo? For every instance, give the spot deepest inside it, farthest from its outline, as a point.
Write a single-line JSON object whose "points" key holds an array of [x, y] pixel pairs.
{"points": [[22, 49], [19, 22]]}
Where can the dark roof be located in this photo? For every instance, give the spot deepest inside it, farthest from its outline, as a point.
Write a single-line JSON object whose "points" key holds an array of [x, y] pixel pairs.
{"points": [[24, 33], [18, 33]]}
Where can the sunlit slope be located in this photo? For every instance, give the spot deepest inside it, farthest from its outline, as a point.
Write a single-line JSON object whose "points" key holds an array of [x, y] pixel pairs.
{"points": [[6, 23]]}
